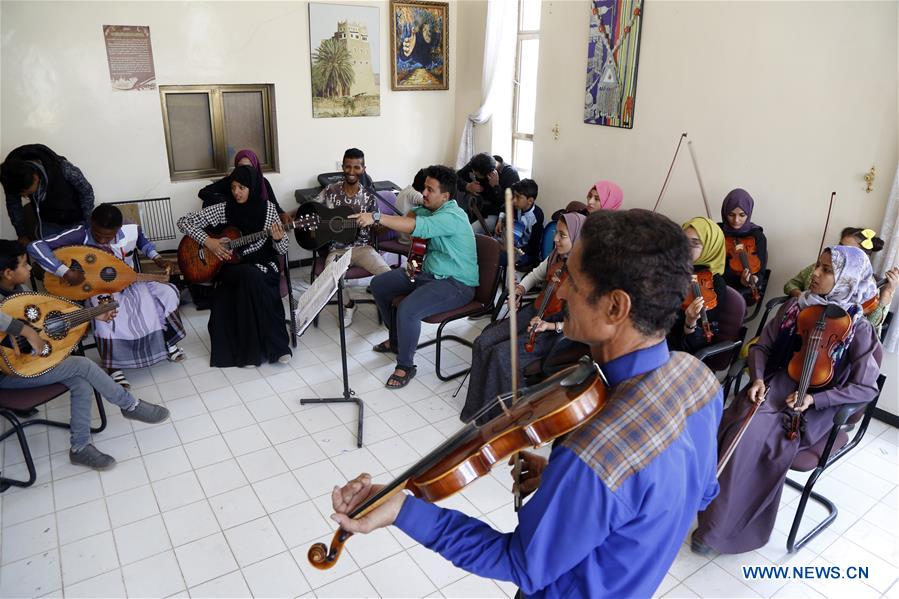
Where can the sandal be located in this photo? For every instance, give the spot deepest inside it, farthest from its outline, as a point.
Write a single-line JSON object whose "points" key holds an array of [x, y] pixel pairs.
{"points": [[176, 354], [401, 381], [119, 377], [384, 348]]}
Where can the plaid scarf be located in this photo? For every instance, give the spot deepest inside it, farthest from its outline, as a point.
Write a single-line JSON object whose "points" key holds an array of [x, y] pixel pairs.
{"points": [[644, 415]]}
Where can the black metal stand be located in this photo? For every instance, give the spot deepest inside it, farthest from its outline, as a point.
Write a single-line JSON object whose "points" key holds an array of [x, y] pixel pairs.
{"points": [[349, 396]]}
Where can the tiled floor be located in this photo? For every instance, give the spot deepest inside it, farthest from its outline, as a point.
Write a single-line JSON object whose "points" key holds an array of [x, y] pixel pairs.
{"points": [[225, 498]]}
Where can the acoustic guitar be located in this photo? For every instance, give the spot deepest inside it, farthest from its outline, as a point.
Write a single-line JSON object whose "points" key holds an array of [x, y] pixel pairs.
{"points": [[325, 225], [103, 273], [198, 265], [60, 324], [416, 257]]}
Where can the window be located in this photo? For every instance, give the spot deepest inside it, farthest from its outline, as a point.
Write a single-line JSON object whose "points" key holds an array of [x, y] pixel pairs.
{"points": [[524, 99], [206, 125]]}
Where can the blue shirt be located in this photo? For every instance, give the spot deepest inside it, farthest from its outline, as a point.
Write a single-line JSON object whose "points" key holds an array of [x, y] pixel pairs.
{"points": [[577, 538]]}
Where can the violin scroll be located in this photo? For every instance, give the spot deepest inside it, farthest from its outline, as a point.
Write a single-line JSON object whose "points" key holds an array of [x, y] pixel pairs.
{"points": [[323, 557]]}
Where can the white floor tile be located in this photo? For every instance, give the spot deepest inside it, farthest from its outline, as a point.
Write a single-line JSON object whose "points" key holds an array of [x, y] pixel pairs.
{"points": [[300, 452], [88, 557], [32, 577], [300, 524], [318, 478], [282, 429], [439, 570], [196, 427], [277, 576], [229, 585], [141, 539], [157, 438], [473, 586], [246, 440], [185, 407], [157, 576], [353, 585], [190, 522], [29, 538], [261, 464], [712, 581], [81, 521], [177, 491], [166, 463], [279, 492], [255, 389], [254, 541], [109, 585], [236, 507], [175, 389], [205, 559], [126, 475], [22, 506], [413, 582], [131, 506], [221, 477], [77, 489], [205, 452]]}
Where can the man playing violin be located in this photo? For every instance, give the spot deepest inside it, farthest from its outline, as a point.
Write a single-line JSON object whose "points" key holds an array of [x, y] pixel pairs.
{"points": [[618, 494]]}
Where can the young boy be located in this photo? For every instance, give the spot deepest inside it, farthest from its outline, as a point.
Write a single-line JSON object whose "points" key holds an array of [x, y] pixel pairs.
{"points": [[528, 222], [149, 327], [77, 373]]}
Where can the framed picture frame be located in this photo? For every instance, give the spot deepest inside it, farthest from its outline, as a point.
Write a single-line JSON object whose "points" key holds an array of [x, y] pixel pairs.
{"points": [[419, 45]]}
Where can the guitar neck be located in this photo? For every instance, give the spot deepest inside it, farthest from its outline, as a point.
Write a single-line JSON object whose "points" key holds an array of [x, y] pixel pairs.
{"points": [[254, 237]]}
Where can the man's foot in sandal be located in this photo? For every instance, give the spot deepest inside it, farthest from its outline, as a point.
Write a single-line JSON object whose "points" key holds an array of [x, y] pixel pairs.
{"points": [[176, 354], [397, 380], [119, 377], [384, 348]]}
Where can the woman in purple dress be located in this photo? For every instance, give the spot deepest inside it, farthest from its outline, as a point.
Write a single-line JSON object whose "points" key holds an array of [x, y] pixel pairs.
{"points": [[740, 519]]}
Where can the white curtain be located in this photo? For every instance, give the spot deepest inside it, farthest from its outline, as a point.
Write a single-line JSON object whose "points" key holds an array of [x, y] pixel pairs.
{"points": [[889, 256], [499, 67]]}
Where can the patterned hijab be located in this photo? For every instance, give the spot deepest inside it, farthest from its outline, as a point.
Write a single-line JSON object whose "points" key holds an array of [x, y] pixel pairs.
{"points": [[737, 198], [853, 280], [713, 254], [610, 195], [574, 221], [254, 160]]}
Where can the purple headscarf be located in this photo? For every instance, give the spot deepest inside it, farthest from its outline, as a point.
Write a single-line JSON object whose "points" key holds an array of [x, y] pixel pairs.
{"points": [[574, 221], [737, 198], [254, 160]]}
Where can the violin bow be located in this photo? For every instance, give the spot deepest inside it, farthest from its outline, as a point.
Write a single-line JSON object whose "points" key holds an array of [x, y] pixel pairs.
{"points": [[725, 457], [513, 330], [833, 194], [705, 200]]}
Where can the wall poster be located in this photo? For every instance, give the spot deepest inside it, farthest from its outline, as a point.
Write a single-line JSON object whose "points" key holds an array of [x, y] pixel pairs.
{"points": [[130, 57]]}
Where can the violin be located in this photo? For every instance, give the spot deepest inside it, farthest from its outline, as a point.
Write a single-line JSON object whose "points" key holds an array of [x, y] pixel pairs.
{"points": [[871, 303], [822, 329], [743, 256], [703, 285], [547, 301], [539, 415]]}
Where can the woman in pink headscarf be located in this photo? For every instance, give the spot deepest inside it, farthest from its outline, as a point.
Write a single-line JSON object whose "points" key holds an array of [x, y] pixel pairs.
{"points": [[221, 189], [604, 195]]}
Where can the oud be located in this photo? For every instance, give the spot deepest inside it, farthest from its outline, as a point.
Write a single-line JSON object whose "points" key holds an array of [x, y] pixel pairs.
{"points": [[103, 273], [60, 324]]}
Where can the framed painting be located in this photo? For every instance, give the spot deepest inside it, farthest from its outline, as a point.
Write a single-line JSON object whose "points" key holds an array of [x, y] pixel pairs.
{"points": [[419, 42], [344, 43], [613, 49]]}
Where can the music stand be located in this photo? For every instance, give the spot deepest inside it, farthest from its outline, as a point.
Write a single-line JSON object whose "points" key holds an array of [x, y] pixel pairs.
{"points": [[309, 305]]}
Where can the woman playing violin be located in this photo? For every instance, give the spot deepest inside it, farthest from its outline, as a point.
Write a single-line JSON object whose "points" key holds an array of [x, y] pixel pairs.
{"points": [[876, 306], [742, 516], [602, 522], [742, 235], [694, 330], [490, 360]]}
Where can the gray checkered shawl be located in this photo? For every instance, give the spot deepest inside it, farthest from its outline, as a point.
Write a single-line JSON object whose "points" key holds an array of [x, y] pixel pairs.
{"points": [[644, 415]]}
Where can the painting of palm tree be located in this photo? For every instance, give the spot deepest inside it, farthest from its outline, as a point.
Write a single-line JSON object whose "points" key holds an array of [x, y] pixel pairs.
{"points": [[344, 44], [332, 71]]}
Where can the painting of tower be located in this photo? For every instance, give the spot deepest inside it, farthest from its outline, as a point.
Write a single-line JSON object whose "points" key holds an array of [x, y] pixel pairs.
{"points": [[344, 43]]}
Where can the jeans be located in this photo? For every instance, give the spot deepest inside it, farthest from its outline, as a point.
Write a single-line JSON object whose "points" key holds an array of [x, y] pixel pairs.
{"points": [[81, 376], [425, 297]]}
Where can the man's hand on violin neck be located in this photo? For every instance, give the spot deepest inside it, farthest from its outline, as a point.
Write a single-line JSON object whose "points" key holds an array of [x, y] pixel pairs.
{"points": [[345, 499]]}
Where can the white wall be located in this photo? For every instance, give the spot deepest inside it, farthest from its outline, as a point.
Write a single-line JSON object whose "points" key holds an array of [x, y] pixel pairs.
{"points": [[56, 91]]}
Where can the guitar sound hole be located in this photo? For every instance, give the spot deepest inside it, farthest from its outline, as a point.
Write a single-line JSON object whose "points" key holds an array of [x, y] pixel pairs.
{"points": [[108, 274], [336, 224]]}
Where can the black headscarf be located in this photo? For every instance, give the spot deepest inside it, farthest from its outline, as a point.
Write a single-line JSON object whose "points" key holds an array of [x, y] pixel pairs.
{"points": [[249, 217]]}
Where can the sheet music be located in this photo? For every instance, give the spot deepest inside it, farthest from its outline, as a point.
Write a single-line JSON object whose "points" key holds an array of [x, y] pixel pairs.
{"points": [[320, 292]]}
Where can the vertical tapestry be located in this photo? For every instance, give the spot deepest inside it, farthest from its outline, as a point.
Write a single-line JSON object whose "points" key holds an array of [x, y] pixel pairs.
{"points": [[613, 49], [345, 44], [418, 41]]}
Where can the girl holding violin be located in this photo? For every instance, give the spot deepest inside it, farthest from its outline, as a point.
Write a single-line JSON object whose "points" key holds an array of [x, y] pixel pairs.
{"points": [[697, 323], [746, 246], [540, 326], [876, 306], [844, 371], [623, 482]]}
